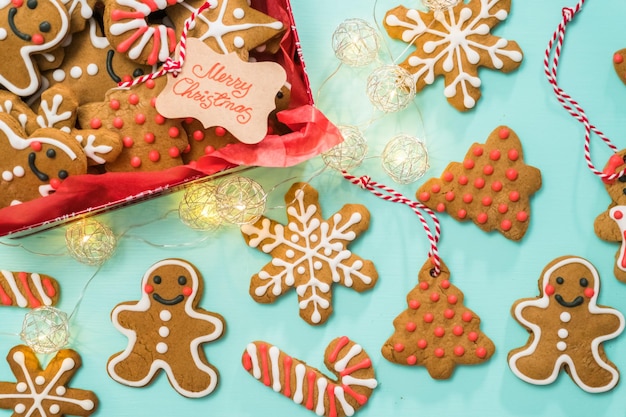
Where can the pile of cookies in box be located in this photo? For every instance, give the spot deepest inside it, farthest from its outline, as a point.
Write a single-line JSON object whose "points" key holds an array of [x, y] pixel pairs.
{"points": [[62, 112]]}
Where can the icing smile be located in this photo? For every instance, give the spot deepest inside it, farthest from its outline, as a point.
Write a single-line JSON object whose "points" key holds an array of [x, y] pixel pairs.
{"points": [[33, 167], [574, 303], [18, 33], [168, 301]]}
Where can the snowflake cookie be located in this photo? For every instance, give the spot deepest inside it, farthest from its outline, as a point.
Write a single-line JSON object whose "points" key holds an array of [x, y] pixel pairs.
{"points": [[310, 253], [454, 44], [43, 392]]}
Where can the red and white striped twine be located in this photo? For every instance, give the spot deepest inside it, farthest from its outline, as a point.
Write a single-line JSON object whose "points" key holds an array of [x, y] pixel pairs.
{"points": [[170, 65], [568, 103], [389, 194]]}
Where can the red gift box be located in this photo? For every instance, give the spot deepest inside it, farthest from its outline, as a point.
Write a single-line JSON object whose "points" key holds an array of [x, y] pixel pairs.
{"points": [[312, 133]]}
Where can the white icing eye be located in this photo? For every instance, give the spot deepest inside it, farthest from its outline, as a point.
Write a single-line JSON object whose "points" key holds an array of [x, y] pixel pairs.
{"points": [[76, 72], [58, 75], [238, 13], [238, 42], [92, 69], [3, 34]]}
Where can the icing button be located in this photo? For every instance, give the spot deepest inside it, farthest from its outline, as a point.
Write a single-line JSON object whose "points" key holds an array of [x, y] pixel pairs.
{"points": [[565, 317], [561, 346], [161, 347], [165, 315]]}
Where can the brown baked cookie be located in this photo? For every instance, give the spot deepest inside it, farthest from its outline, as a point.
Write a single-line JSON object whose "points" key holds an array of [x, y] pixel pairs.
{"points": [[44, 392], [454, 44], [150, 141], [29, 290], [491, 187], [437, 330], [166, 330], [310, 254], [350, 390], [619, 64], [567, 328]]}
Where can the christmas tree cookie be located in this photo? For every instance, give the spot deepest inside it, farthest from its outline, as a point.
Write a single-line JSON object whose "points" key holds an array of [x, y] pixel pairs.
{"points": [[437, 330], [491, 187]]}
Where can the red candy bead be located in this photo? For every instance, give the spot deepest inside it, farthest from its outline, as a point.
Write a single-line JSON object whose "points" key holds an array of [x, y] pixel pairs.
{"points": [[482, 218], [502, 208], [118, 123], [424, 285], [450, 196], [410, 327], [448, 313], [617, 215], [504, 133], [472, 336], [424, 196], [488, 169], [452, 299], [133, 99], [197, 135], [154, 155], [35, 146], [496, 186], [435, 188], [411, 360], [494, 155], [506, 225], [457, 330], [462, 213], [173, 132], [187, 291], [463, 180], [459, 350], [549, 290], [439, 331], [522, 216], [439, 352], [140, 118], [440, 207], [448, 176], [55, 183], [95, 123], [468, 198], [149, 289], [398, 347], [589, 292], [428, 317], [513, 154], [220, 131], [150, 84], [135, 162], [481, 352], [37, 39], [468, 164], [414, 304], [434, 297], [149, 137], [466, 317], [114, 104], [479, 183], [127, 141], [445, 284], [511, 174], [514, 196], [478, 151], [174, 152], [159, 119], [422, 344], [618, 58], [486, 201]]}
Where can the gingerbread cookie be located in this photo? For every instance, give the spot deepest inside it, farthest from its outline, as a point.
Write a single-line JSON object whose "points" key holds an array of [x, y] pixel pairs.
{"points": [[25, 289], [437, 330], [491, 187], [44, 392], [28, 28], [150, 141], [567, 328], [454, 44], [619, 64], [350, 390], [166, 330], [309, 254]]}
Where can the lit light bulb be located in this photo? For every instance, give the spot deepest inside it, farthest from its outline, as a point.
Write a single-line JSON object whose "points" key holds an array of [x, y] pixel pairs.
{"points": [[355, 43], [390, 88], [240, 200], [90, 242], [45, 329], [349, 153], [405, 159], [198, 207]]}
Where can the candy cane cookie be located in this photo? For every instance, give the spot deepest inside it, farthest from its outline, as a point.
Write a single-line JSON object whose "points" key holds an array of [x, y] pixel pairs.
{"points": [[308, 386], [29, 290]]}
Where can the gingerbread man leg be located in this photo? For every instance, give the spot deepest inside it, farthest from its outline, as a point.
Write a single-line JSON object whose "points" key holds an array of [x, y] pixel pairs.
{"points": [[133, 368], [189, 374], [590, 373]]}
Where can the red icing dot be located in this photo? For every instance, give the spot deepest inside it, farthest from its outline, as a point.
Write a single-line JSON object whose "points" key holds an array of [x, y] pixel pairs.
{"points": [[118, 123], [502, 208], [459, 350], [220, 131], [411, 360], [488, 169], [522, 216], [439, 352], [462, 213], [468, 164], [439, 331], [435, 188], [159, 119], [479, 183], [135, 162], [494, 155], [422, 344], [424, 285], [450, 196], [448, 313], [398, 347], [511, 174], [140, 118], [468, 198], [149, 137], [504, 133], [452, 299], [428, 317], [197, 135], [424, 196], [114, 104], [174, 152], [153, 102], [55, 183], [127, 78], [466, 317], [150, 84], [486, 201], [496, 186], [133, 99], [154, 155], [149, 289], [434, 297], [410, 327], [514, 196], [448, 176], [127, 141], [477, 151], [208, 149], [506, 225], [513, 154], [95, 123], [482, 218], [617, 214], [35, 146], [481, 352], [17, 3], [549, 290], [414, 304], [187, 149], [457, 330], [173, 132], [440, 207], [187, 291], [589, 292], [472, 336], [37, 39], [445, 284], [617, 58], [463, 180]]}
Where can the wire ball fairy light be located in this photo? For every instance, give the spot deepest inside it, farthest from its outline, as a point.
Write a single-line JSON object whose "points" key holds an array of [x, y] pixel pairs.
{"points": [[349, 153], [198, 207], [45, 329], [390, 88], [405, 159], [240, 200], [90, 242], [439, 6], [355, 43]]}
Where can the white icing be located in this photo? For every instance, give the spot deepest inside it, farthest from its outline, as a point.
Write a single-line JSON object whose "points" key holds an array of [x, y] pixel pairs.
{"points": [[19, 171], [54, 409], [76, 72], [21, 387], [92, 150], [298, 394], [340, 365], [20, 300], [58, 75], [7, 176], [238, 42], [51, 116], [561, 346], [20, 408], [36, 280], [620, 262], [92, 69], [143, 305], [273, 354], [238, 13], [563, 333], [164, 331], [564, 358], [3, 34], [256, 369], [322, 383], [161, 347]]}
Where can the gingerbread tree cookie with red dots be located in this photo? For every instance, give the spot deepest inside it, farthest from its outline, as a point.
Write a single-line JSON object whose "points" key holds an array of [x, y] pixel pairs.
{"points": [[491, 187], [437, 330], [151, 142]]}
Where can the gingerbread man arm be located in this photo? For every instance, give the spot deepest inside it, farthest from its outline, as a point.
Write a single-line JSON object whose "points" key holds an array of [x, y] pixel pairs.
{"points": [[606, 228]]}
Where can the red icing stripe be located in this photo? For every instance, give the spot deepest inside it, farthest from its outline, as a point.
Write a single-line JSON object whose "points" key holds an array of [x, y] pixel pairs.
{"points": [[340, 344], [34, 302], [123, 14], [311, 379], [152, 5], [624, 255], [365, 363], [332, 408], [4, 298], [125, 46], [360, 398], [154, 54], [287, 361], [246, 360], [264, 368], [171, 36], [47, 285]]}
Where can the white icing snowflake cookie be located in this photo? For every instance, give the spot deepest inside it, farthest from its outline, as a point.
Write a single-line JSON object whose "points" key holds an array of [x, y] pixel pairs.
{"points": [[454, 43], [310, 253]]}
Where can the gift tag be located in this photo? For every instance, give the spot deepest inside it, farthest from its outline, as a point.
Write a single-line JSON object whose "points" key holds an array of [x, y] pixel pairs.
{"points": [[222, 90]]}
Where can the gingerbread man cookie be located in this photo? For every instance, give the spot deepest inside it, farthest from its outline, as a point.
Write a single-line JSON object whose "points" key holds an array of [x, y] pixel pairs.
{"points": [[619, 64], [567, 328], [166, 330]]}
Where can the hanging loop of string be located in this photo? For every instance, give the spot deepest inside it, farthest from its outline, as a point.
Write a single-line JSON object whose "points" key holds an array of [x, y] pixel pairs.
{"points": [[170, 65], [389, 194], [571, 105]]}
